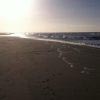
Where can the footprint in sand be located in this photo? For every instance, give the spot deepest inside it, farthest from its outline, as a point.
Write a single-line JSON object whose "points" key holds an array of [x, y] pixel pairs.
{"points": [[48, 91], [45, 81]]}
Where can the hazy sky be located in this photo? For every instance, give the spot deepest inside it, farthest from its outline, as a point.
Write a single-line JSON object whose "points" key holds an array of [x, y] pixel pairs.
{"points": [[49, 15]]}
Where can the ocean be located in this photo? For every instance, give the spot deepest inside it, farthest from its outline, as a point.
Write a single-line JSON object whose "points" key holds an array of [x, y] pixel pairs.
{"points": [[76, 38]]}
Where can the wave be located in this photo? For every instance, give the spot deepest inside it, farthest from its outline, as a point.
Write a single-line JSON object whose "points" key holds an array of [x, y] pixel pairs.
{"points": [[91, 39], [82, 38]]}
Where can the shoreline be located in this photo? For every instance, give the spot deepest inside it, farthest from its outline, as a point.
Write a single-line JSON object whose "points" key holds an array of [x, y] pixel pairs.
{"points": [[43, 70], [51, 40]]}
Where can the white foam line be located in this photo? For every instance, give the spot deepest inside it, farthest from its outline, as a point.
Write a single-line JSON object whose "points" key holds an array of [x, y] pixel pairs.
{"points": [[70, 64], [60, 53], [64, 58], [86, 68], [61, 41], [84, 72]]}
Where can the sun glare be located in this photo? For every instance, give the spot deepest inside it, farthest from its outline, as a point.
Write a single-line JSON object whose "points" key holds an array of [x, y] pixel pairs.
{"points": [[18, 34], [12, 9], [15, 13]]}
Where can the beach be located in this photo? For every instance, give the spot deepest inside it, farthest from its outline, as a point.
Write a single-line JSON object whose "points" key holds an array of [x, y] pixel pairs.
{"points": [[44, 70]]}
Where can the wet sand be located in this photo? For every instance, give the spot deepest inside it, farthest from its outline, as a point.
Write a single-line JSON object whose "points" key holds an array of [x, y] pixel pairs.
{"points": [[41, 70]]}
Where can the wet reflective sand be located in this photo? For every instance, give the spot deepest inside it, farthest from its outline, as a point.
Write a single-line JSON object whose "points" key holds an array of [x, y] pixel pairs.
{"points": [[42, 70]]}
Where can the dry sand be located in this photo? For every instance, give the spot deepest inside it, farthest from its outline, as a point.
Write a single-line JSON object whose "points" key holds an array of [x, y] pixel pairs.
{"points": [[40, 70]]}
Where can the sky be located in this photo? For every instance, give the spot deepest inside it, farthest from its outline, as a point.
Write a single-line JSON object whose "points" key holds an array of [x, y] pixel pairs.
{"points": [[49, 15]]}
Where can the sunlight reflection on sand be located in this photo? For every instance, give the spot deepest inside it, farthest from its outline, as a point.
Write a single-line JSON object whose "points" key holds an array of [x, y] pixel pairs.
{"points": [[20, 35]]}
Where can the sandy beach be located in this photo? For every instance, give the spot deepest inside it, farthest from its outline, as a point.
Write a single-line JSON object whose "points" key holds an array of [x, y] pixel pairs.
{"points": [[42, 70]]}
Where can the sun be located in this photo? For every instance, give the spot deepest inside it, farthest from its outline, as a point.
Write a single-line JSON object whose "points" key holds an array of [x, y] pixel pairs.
{"points": [[12, 9], [16, 14]]}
